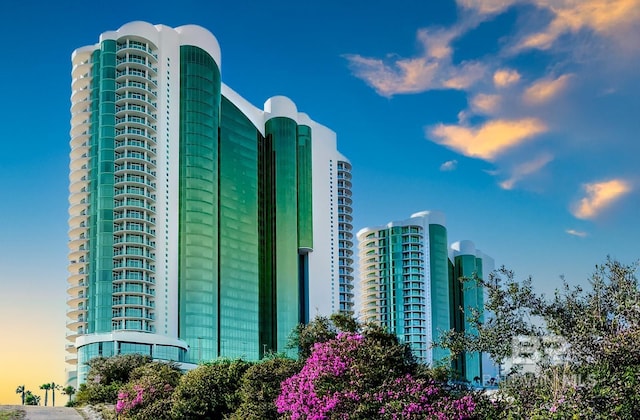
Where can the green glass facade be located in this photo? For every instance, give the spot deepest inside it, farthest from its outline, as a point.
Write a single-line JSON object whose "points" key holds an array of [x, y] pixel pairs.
{"points": [[469, 297], [101, 180], [239, 234], [280, 201], [440, 293], [198, 282]]}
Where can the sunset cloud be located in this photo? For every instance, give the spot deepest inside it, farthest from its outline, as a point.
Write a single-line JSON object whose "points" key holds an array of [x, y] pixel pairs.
{"points": [[505, 77], [606, 17], [485, 104], [524, 169], [577, 233], [545, 89], [600, 195], [431, 70], [449, 165], [490, 139]]}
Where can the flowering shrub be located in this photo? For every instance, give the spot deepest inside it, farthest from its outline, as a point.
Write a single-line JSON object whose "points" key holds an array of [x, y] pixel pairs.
{"points": [[148, 393], [356, 376]]}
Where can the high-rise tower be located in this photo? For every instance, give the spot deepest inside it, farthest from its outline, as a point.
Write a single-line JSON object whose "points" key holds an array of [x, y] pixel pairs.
{"points": [[404, 280], [469, 263], [200, 225]]}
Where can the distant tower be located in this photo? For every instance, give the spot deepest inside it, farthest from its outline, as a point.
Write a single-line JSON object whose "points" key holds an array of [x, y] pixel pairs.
{"points": [[199, 225], [404, 280], [468, 296]]}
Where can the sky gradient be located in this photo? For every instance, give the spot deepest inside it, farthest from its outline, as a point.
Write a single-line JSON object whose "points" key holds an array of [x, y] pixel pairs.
{"points": [[517, 119]]}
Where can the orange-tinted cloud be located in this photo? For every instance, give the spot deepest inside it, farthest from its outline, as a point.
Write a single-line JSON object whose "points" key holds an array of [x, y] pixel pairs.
{"points": [[600, 195], [545, 89], [485, 104], [433, 69], [505, 77], [606, 17], [488, 140]]}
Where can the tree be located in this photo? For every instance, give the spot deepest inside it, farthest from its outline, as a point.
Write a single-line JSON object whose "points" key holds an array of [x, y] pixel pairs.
{"points": [[209, 391], [21, 390], [106, 376], [319, 330], [365, 376], [260, 386], [46, 388], [54, 387], [587, 341], [31, 399], [148, 393], [69, 390]]}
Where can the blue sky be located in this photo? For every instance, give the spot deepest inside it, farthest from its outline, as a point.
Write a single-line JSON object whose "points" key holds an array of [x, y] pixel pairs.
{"points": [[517, 119]]}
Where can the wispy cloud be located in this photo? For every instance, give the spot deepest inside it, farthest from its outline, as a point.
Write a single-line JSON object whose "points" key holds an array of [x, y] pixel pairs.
{"points": [[577, 233], [526, 168], [488, 140], [600, 195], [505, 77], [486, 7], [431, 70], [544, 90], [449, 165], [485, 104], [605, 17]]}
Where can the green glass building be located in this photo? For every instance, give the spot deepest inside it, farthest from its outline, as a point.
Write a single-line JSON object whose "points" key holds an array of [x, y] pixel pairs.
{"points": [[409, 284], [404, 281], [468, 296], [200, 225]]}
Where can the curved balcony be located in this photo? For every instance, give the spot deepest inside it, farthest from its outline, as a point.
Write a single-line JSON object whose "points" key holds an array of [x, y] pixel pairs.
{"points": [[135, 145], [135, 44], [135, 110], [133, 252], [80, 107], [81, 68], [134, 157], [135, 169], [78, 139], [136, 99], [76, 287], [136, 86], [135, 74], [80, 95], [76, 299]]}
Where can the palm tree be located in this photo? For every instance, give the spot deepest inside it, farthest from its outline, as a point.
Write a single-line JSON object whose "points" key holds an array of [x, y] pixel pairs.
{"points": [[53, 393], [69, 390], [20, 390], [46, 388]]}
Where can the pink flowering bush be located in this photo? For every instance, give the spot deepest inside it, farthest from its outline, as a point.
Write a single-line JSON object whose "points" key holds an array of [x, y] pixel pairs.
{"points": [[148, 393], [356, 376]]}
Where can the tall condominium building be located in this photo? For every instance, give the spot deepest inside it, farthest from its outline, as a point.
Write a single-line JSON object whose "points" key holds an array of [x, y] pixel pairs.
{"points": [[409, 283], [404, 280], [200, 225], [468, 296]]}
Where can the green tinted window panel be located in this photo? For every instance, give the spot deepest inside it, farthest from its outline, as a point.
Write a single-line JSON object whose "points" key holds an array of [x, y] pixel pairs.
{"points": [[282, 239], [305, 187], [198, 200], [239, 235], [440, 293], [101, 182]]}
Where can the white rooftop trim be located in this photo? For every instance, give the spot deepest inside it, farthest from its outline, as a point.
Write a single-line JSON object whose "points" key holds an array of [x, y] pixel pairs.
{"points": [[187, 35], [255, 115]]}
